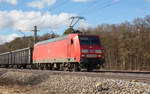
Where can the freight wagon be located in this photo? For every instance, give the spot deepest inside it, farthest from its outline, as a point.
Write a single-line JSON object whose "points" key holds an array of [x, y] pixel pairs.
{"points": [[17, 58]]}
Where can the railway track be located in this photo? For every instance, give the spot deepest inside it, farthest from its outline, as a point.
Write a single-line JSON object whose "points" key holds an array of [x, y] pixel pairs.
{"points": [[122, 71], [139, 76], [114, 74]]}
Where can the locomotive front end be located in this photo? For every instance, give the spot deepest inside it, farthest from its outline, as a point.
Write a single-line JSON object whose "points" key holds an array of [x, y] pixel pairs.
{"points": [[91, 52]]}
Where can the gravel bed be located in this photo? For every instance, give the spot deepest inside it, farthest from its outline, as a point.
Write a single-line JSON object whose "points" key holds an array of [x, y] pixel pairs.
{"points": [[87, 85], [20, 82]]}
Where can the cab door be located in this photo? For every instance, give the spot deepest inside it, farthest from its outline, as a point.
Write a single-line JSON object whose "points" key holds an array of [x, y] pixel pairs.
{"points": [[70, 47]]}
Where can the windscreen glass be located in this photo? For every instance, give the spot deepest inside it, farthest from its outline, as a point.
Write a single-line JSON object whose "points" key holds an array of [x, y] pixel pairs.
{"points": [[89, 40]]}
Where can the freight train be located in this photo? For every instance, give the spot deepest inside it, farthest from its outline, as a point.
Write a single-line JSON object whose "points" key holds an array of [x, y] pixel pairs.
{"points": [[69, 52]]}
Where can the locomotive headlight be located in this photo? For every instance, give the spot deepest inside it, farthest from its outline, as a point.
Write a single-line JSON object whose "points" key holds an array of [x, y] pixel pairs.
{"points": [[84, 51], [99, 55], [98, 51], [83, 55]]}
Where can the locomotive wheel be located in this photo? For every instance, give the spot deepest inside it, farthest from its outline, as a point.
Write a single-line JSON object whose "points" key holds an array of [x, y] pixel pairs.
{"points": [[89, 69], [76, 67], [45, 67], [61, 67], [58, 66], [40, 67], [50, 66], [65, 67]]}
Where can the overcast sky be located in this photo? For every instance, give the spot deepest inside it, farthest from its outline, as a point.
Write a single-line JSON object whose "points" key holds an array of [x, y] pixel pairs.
{"points": [[53, 15]]}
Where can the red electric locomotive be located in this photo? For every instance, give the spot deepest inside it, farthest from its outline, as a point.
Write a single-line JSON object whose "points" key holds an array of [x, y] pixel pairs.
{"points": [[69, 52]]}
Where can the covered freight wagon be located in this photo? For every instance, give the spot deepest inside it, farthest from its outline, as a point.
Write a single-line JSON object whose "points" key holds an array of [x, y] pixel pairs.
{"points": [[17, 58]]}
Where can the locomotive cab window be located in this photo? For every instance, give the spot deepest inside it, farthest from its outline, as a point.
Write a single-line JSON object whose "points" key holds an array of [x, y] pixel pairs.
{"points": [[89, 40], [71, 41]]}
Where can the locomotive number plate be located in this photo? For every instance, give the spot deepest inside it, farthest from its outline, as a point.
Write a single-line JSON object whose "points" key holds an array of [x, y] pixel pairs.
{"points": [[91, 55]]}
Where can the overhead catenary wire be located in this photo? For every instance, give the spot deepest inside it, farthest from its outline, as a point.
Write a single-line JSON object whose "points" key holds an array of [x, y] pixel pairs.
{"points": [[100, 4], [91, 6], [94, 4], [103, 5], [106, 6]]}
